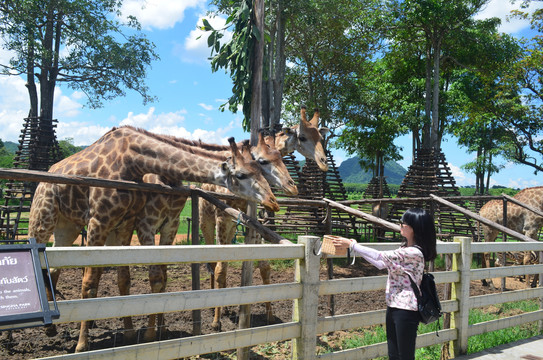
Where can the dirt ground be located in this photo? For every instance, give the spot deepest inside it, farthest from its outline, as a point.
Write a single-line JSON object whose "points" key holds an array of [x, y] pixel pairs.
{"points": [[32, 343]]}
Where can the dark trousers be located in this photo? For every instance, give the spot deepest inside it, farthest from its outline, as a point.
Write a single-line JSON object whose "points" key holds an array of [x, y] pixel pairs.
{"points": [[401, 328]]}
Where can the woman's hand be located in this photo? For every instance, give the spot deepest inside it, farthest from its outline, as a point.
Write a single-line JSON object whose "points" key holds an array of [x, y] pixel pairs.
{"points": [[342, 243]]}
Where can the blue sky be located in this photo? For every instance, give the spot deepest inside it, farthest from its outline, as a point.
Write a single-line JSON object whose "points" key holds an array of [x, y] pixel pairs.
{"points": [[189, 94]]}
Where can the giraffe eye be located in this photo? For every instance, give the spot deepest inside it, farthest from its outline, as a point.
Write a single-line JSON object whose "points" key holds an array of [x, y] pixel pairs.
{"points": [[241, 176], [263, 162], [302, 138]]}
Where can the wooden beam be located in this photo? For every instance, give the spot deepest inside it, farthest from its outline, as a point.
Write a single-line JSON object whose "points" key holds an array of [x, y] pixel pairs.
{"points": [[485, 221], [361, 214], [245, 219]]}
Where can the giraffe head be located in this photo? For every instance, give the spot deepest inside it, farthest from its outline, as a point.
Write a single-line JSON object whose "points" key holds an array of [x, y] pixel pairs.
{"points": [[306, 138], [245, 178], [273, 168]]}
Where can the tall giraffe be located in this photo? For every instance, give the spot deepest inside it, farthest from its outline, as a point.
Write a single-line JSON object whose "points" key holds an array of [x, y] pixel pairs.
{"points": [[519, 219], [306, 138], [161, 214], [128, 153]]}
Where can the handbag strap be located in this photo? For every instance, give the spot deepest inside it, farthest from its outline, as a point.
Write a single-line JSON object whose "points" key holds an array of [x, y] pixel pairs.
{"points": [[415, 287]]}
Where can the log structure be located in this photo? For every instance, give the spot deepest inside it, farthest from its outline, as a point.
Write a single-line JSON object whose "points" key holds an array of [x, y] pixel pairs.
{"points": [[430, 174], [38, 150], [306, 218]]}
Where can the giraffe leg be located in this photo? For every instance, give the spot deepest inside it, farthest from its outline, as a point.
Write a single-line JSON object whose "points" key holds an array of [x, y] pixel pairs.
{"points": [[167, 237], [123, 282], [265, 272], [156, 281], [97, 236], [486, 264], [65, 234], [207, 227], [89, 289], [526, 261], [220, 270], [122, 236], [225, 229]]}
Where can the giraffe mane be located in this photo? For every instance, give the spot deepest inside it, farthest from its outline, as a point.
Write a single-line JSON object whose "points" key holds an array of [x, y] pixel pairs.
{"points": [[184, 144]]}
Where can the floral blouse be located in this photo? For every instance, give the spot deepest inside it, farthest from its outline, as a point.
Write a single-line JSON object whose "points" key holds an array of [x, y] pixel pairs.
{"points": [[400, 262]]}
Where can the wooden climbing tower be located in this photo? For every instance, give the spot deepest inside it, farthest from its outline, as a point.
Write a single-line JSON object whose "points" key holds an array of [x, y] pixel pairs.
{"points": [[430, 174], [377, 189], [313, 184], [38, 150]]}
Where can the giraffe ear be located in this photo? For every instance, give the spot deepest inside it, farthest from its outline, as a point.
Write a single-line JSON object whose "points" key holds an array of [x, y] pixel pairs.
{"points": [[324, 131]]}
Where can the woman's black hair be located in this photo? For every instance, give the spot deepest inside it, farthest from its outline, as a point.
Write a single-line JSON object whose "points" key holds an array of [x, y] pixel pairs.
{"points": [[424, 229]]}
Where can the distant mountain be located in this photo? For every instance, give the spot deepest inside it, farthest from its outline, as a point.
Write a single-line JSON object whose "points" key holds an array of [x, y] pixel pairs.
{"points": [[351, 172], [11, 146]]}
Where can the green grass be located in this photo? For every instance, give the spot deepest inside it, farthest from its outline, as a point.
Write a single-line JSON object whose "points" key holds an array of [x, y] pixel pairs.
{"points": [[377, 334], [504, 336]]}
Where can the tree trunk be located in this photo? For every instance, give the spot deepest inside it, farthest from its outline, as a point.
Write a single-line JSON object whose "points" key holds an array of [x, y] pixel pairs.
{"points": [[279, 66], [426, 141], [435, 98], [256, 108]]}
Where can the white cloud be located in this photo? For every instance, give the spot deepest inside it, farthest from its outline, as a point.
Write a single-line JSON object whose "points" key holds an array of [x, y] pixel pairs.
{"points": [[159, 14], [206, 107], [502, 9], [521, 183], [461, 178], [82, 133], [150, 119], [66, 106], [14, 106], [195, 49], [169, 123]]}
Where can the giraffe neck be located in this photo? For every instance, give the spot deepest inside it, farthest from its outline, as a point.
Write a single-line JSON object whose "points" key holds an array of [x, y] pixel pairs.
{"points": [[152, 153]]}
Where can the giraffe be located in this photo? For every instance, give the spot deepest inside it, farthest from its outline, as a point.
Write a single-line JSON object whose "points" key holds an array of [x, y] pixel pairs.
{"points": [[305, 138], [128, 153], [161, 213], [519, 219]]}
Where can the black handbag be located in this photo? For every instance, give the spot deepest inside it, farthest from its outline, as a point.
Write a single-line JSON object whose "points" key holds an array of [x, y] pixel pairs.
{"points": [[427, 299]]}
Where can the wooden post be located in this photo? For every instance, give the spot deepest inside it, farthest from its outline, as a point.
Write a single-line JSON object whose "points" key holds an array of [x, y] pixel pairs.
{"points": [[256, 118], [195, 268], [460, 293], [540, 285], [305, 309], [330, 261], [246, 280], [504, 239]]}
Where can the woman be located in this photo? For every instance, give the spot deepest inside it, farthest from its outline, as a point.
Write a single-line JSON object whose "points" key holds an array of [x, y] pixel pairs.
{"points": [[419, 245]]}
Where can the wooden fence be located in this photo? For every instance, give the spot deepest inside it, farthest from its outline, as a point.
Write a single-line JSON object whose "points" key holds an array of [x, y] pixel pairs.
{"points": [[304, 292], [305, 326]]}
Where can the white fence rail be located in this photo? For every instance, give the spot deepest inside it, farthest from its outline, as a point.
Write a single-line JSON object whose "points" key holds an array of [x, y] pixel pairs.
{"points": [[304, 292]]}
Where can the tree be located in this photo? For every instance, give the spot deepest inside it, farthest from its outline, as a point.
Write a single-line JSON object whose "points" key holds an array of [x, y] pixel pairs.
{"points": [[373, 120], [6, 158], [447, 29], [67, 147], [328, 47], [77, 42], [518, 104]]}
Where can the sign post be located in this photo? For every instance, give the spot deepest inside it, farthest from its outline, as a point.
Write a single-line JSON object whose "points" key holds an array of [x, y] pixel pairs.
{"points": [[23, 297]]}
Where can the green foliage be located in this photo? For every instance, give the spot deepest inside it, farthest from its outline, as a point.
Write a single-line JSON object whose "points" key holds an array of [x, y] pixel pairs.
{"points": [[68, 148], [6, 157], [235, 56], [82, 43]]}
